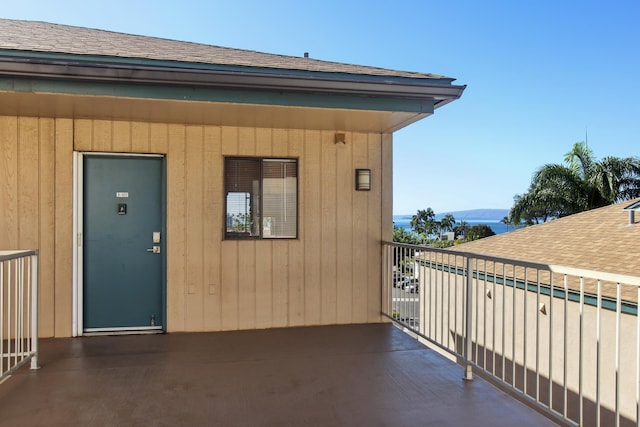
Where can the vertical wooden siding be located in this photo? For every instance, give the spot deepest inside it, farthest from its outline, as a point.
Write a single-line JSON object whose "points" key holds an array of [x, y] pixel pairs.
{"points": [[29, 170], [329, 275]]}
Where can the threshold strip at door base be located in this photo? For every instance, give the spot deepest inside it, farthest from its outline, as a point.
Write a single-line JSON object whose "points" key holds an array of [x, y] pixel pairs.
{"points": [[124, 331]]}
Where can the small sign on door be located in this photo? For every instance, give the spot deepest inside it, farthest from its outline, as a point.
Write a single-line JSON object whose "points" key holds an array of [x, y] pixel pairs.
{"points": [[122, 194]]}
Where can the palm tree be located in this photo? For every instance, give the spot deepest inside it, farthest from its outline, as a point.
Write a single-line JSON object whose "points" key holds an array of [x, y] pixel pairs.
{"points": [[582, 183], [461, 228], [541, 204], [447, 223], [506, 221], [618, 179], [423, 222]]}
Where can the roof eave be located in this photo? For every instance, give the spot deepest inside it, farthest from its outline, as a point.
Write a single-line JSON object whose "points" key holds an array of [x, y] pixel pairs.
{"points": [[241, 77]]}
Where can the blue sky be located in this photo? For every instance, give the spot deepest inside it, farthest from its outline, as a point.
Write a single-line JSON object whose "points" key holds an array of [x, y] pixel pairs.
{"points": [[540, 75]]}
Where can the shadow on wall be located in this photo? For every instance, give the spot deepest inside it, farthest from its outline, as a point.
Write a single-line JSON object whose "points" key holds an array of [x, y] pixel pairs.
{"points": [[486, 361]]}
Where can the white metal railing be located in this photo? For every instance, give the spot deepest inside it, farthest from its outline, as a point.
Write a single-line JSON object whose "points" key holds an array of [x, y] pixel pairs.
{"points": [[18, 310], [565, 339]]}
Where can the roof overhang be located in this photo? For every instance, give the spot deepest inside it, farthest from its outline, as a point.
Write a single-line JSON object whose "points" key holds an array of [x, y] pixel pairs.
{"points": [[74, 86]]}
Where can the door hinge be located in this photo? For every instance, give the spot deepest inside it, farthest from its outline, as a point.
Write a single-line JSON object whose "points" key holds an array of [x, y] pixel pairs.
{"points": [[79, 243]]}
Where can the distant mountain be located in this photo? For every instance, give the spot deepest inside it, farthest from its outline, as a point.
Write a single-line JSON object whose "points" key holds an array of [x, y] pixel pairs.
{"points": [[473, 214], [477, 214]]}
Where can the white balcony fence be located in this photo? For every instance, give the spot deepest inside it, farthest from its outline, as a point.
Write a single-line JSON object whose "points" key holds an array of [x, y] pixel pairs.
{"points": [[565, 339], [18, 311]]}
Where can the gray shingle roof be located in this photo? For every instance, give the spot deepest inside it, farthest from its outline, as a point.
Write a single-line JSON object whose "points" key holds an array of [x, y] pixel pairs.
{"points": [[45, 37], [600, 239]]}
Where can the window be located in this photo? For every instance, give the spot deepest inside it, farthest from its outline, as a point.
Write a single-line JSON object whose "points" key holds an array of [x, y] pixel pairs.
{"points": [[261, 198]]}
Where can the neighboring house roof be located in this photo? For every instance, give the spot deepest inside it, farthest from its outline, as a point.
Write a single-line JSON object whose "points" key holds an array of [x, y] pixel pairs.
{"points": [[600, 239]]}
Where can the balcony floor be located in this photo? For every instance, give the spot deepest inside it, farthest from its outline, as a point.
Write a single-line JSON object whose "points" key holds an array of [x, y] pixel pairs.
{"points": [[356, 375]]}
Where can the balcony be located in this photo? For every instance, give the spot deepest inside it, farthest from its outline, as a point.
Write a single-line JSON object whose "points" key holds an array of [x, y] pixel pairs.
{"points": [[534, 344], [563, 339], [352, 375]]}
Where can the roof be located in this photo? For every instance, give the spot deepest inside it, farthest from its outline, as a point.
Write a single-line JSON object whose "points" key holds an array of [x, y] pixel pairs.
{"points": [[600, 239], [43, 37], [65, 71]]}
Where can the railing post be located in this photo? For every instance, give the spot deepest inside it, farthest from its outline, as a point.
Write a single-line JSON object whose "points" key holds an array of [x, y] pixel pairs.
{"points": [[468, 308], [34, 311]]}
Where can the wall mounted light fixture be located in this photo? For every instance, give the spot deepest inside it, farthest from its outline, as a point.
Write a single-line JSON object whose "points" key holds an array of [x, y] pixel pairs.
{"points": [[363, 179]]}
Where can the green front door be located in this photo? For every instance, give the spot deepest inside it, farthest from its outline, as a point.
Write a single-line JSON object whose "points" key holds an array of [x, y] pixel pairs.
{"points": [[123, 242]]}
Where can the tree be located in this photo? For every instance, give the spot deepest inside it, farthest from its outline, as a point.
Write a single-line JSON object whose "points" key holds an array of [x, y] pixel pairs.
{"points": [[460, 229], [580, 184], [400, 235], [537, 206], [424, 222], [506, 221], [447, 223], [619, 179], [479, 231]]}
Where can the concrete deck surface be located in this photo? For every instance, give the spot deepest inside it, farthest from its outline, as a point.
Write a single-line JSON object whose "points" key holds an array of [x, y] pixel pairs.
{"points": [[356, 375]]}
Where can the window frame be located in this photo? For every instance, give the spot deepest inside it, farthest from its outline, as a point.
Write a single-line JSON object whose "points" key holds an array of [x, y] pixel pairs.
{"points": [[245, 236]]}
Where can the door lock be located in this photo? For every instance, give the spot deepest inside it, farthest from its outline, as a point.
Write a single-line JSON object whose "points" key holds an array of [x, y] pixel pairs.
{"points": [[154, 249]]}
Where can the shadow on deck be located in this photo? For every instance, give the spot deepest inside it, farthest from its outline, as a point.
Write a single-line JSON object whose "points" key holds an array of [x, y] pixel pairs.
{"points": [[355, 375]]}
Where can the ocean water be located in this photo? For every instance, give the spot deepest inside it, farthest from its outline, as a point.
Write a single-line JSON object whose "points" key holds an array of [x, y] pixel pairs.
{"points": [[496, 225]]}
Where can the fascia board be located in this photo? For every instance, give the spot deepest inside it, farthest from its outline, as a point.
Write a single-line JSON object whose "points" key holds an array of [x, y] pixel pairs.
{"points": [[319, 82], [231, 95]]}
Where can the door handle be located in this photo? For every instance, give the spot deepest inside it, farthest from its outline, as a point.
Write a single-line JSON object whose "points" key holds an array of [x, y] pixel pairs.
{"points": [[155, 249]]}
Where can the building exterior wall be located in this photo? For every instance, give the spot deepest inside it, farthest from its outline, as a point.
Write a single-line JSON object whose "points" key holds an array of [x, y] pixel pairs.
{"points": [[330, 274]]}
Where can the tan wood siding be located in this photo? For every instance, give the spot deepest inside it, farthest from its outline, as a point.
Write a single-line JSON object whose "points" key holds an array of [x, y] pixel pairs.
{"points": [[311, 199], [46, 241], [176, 226], [328, 229], [102, 136], [28, 198], [9, 183], [194, 224], [344, 224], [27, 201], [63, 301], [212, 227], [329, 274]]}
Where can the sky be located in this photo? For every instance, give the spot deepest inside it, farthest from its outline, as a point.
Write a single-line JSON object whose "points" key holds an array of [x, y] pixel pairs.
{"points": [[540, 75]]}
